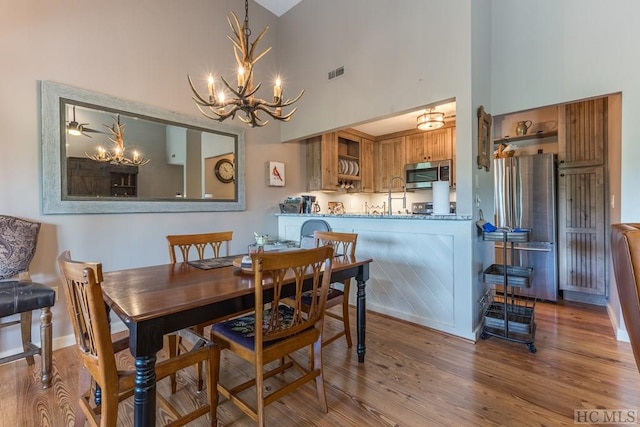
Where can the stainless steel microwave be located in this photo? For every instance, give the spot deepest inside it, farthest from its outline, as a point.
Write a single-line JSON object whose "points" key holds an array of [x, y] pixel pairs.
{"points": [[422, 175]]}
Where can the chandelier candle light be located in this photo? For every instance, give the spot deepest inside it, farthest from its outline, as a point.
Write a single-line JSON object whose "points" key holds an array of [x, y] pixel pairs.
{"points": [[217, 106], [116, 156]]}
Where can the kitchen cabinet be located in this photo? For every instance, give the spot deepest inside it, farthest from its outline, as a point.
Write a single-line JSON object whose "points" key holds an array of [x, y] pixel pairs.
{"points": [[340, 157], [367, 163], [349, 170], [581, 231], [390, 162], [322, 162], [89, 178], [582, 133], [453, 157], [582, 195], [429, 145]]}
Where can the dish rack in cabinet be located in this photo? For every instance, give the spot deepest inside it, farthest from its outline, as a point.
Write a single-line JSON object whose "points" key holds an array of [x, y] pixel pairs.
{"points": [[348, 156], [508, 314]]}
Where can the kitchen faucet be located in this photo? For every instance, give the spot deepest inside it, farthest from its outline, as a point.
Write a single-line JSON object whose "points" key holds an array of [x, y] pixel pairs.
{"points": [[404, 195]]}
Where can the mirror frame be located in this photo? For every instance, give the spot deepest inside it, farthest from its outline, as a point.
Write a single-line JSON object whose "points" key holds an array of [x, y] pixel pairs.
{"points": [[54, 165]]}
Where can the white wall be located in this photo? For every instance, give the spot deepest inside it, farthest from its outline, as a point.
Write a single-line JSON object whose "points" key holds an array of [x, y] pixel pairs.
{"points": [[141, 51], [550, 52], [482, 181]]}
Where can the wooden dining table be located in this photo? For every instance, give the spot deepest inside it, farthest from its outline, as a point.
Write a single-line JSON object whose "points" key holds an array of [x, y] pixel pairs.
{"points": [[157, 300]]}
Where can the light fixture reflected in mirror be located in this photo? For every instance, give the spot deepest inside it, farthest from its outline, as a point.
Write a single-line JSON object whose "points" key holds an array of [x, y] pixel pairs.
{"points": [[116, 155], [76, 129], [430, 120]]}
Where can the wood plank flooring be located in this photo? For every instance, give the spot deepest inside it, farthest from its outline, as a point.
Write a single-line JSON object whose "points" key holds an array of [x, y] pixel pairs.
{"points": [[413, 376]]}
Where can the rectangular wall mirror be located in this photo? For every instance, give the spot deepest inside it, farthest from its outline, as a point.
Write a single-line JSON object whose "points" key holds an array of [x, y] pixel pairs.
{"points": [[102, 154]]}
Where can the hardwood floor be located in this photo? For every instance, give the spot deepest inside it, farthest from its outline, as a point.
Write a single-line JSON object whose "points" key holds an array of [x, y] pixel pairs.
{"points": [[412, 377]]}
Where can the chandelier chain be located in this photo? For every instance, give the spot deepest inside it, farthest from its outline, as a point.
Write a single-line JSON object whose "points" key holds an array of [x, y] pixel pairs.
{"points": [[247, 30]]}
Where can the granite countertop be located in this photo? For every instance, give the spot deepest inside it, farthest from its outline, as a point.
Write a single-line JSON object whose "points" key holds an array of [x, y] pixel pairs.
{"points": [[450, 217]]}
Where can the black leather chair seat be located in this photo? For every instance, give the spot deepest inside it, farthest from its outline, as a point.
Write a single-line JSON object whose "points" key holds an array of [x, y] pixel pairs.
{"points": [[18, 297]]}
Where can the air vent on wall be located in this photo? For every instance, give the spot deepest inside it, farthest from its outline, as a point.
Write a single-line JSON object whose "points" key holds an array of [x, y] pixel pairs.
{"points": [[336, 73]]}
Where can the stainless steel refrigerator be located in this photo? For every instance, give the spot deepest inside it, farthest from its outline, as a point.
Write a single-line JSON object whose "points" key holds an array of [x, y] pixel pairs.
{"points": [[525, 197]]}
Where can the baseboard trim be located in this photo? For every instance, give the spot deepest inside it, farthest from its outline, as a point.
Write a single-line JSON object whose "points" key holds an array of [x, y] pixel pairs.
{"points": [[620, 333], [63, 341], [600, 300]]}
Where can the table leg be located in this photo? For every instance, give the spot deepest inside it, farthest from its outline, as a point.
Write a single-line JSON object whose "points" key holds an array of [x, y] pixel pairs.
{"points": [[361, 319], [361, 278], [144, 398], [45, 343]]}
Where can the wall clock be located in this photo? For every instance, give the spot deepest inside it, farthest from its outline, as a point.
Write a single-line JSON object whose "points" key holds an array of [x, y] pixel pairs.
{"points": [[224, 170]]}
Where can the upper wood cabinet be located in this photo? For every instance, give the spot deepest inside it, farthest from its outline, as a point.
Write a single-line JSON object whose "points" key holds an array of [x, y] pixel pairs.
{"points": [[430, 145], [582, 133], [367, 163], [343, 157], [453, 157], [390, 162], [322, 162], [349, 168]]}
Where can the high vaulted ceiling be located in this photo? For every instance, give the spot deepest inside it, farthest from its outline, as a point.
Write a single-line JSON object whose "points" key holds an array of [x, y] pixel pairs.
{"points": [[384, 126]]}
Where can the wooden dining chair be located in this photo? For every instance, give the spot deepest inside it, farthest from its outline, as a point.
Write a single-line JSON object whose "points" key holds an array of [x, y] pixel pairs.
{"points": [[343, 244], [96, 349], [200, 242], [283, 329], [204, 244]]}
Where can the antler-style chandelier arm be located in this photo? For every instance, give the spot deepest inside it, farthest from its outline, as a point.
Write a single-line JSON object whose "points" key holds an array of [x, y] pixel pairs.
{"points": [[117, 155], [241, 42], [219, 107]]}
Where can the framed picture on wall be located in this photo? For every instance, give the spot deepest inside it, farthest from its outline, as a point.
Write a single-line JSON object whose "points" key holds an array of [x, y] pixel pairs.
{"points": [[484, 139], [275, 174]]}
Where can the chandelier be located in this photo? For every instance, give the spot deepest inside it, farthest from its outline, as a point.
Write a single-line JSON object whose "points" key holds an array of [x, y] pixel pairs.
{"points": [[218, 106], [117, 156], [430, 120]]}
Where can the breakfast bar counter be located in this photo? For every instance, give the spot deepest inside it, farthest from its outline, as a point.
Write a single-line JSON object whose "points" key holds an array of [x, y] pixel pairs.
{"points": [[421, 270], [447, 217]]}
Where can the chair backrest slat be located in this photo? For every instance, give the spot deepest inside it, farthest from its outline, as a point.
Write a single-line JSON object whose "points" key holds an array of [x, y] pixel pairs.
{"points": [[184, 242], [343, 244], [304, 266]]}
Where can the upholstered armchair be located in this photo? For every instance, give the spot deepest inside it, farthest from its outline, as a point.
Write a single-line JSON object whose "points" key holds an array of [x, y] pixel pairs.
{"points": [[19, 295], [625, 254]]}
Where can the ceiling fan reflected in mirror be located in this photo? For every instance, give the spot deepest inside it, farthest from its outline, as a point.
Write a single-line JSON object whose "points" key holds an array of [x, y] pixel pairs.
{"points": [[76, 129]]}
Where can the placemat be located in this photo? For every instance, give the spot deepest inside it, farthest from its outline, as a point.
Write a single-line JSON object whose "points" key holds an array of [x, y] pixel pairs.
{"points": [[209, 263]]}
